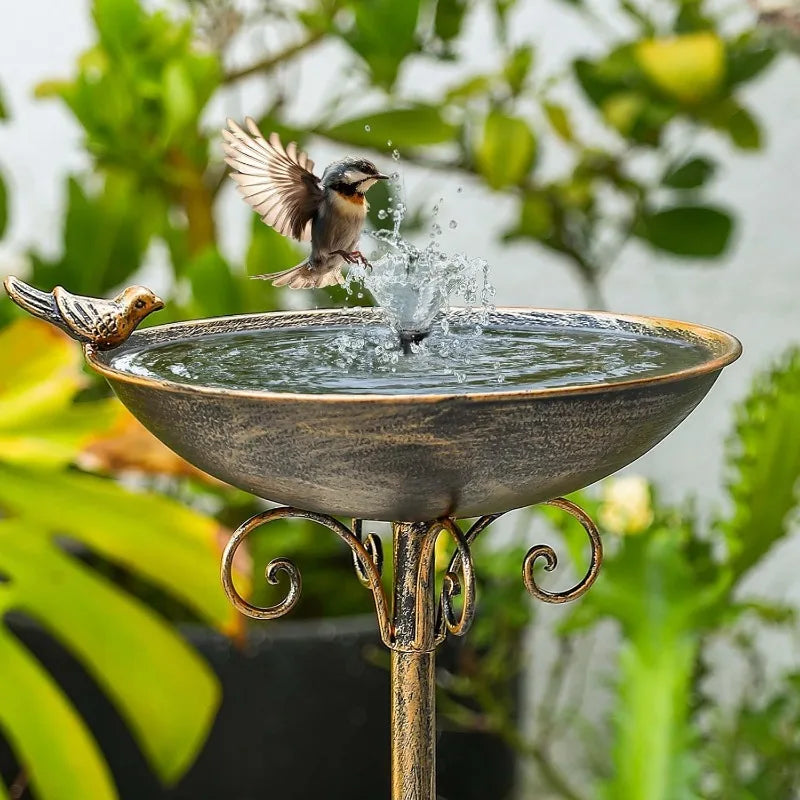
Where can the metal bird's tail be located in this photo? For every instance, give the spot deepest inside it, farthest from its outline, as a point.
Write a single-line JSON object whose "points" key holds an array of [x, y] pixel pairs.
{"points": [[40, 304], [303, 276]]}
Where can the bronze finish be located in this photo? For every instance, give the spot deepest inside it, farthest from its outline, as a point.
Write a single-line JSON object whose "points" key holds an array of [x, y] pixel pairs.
{"points": [[103, 324], [416, 457], [419, 621], [410, 457]]}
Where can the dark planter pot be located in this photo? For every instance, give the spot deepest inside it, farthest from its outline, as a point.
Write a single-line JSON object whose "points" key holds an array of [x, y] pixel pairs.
{"points": [[305, 715]]}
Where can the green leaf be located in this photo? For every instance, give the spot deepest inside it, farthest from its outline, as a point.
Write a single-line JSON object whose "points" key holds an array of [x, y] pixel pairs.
{"points": [[3, 108], [690, 231], [518, 67], [179, 100], [40, 372], [744, 130], [215, 290], [689, 174], [476, 85], [46, 732], [535, 217], [764, 465], [617, 72], [449, 18], [507, 150], [663, 601], [105, 236], [383, 34], [57, 439], [407, 128], [170, 717], [747, 57], [622, 110], [172, 546], [119, 23], [558, 117], [737, 122], [268, 251], [689, 67]]}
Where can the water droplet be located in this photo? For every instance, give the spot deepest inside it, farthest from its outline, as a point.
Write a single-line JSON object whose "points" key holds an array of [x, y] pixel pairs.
{"points": [[389, 143], [395, 176], [453, 223], [367, 128], [382, 214], [396, 154], [460, 189]]}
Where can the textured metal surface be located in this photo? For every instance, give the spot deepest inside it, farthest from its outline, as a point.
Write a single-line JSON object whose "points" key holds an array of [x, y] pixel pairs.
{"points": [[103, 324], [417, 457], [419, 621], [543, 551]]}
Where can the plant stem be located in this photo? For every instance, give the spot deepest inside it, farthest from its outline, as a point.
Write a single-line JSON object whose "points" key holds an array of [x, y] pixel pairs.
{"points": [[270, 62]]}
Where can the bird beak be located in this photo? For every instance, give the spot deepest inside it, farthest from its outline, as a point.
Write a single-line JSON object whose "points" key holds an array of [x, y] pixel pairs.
{"points": [[158, 304], [381, 177]]}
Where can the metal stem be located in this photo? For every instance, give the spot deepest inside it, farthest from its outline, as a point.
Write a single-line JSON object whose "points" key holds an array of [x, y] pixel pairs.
{"points": [[413, 664]]}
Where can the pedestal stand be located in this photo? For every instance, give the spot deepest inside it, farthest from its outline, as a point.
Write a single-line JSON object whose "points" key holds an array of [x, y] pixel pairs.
{"points": [[419, 620]]}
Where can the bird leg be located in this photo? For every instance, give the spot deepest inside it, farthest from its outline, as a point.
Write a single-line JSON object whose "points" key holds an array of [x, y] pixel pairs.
{"points": [[353, 257]]}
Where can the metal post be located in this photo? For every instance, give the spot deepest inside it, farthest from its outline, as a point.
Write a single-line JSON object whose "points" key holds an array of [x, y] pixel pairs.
{"points": [[413, 662], [419, 620]]}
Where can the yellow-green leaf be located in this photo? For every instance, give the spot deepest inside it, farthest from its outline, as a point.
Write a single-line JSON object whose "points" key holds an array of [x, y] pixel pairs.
{"points": [[622, 109], [175, 547], [45, 731], [405, 127], [57, 440], [559, 120], [40, 371], [506, 151], [170, 716], [689, 68]]}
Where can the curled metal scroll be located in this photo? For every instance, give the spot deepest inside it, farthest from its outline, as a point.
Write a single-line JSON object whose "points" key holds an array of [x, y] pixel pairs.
{"points": [[551, 560], [365, 560], [373, 546], [546, 552], [453, 585]]}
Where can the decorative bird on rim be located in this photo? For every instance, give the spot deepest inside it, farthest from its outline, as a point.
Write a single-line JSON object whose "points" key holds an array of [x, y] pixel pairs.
{"points": [[101, 323], [282, 188]]}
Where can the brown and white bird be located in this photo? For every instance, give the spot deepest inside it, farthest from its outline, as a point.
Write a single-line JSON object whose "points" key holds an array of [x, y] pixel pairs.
{"points": [[282, 188], [102, 323]]}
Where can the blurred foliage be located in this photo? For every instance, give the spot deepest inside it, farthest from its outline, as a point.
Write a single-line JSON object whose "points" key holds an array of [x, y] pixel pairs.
{"points": [[595, 155], [621, 126], [51, 514], [673, 588]]}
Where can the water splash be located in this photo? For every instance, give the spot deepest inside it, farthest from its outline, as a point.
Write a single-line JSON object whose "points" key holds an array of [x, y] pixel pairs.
{"points": [[416, 286]]}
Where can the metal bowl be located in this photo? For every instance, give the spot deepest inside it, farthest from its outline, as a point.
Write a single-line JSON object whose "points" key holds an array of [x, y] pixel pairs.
{"points": [[417, 457]]}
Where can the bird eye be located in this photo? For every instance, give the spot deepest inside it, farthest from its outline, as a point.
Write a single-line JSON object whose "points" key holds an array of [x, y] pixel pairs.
{"points": [[139, 304]]}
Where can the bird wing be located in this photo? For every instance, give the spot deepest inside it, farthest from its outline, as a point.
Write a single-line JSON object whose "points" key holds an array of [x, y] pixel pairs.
{"points": [[278, 183], [87, 317]]}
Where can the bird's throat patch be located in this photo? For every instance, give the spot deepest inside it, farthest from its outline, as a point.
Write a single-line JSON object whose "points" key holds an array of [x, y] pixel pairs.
{"points": [[356, 199]]}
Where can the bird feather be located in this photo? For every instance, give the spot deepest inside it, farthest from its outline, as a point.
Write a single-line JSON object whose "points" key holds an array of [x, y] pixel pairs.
{"points": [[269, 170]]}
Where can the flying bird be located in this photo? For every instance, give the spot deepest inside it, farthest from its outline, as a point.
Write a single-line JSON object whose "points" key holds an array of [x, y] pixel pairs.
{"points": [[282, 188], [102, 323]]}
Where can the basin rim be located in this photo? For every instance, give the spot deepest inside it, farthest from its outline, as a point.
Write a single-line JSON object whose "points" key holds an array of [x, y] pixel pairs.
{"points": [[731, 350]]}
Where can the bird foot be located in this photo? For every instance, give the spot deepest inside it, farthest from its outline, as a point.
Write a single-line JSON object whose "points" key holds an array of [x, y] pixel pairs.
{"points": [[353, 257]]}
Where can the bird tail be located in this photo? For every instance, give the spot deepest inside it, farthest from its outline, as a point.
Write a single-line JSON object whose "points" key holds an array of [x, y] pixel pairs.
{"points": [[303, 276], [40, 304]]}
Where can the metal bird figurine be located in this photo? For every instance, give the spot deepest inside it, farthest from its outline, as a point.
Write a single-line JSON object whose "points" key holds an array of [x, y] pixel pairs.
{"points": [[101, 323], [282, 188]]}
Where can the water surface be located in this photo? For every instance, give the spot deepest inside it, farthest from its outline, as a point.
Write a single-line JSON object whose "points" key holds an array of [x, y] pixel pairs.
{"points": [[365, 359]]}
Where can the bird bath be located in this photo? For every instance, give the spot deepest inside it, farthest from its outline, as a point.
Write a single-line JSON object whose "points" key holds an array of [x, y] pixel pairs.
{"points": [[416, 449]]}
